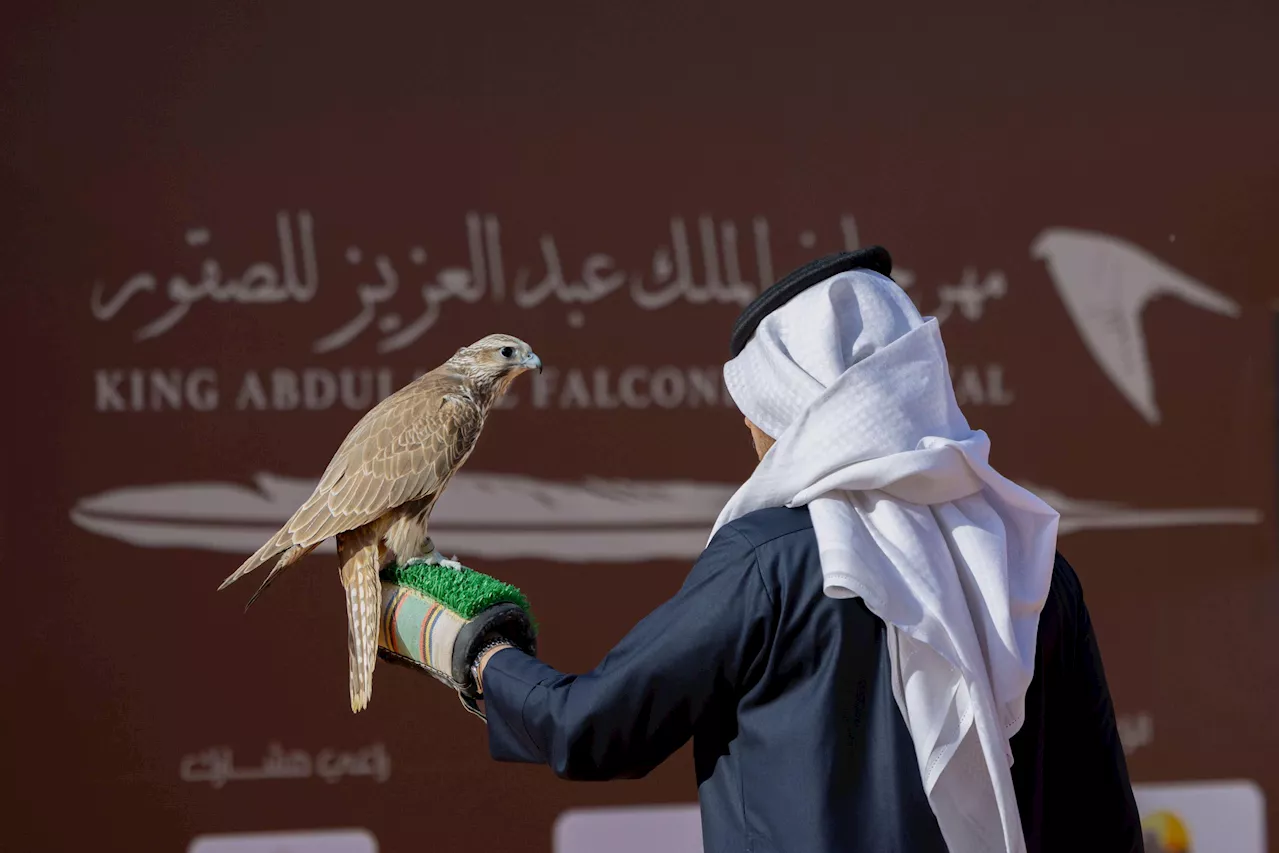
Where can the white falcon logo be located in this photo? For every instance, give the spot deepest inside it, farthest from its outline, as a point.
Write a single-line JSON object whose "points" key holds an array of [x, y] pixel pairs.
{"points": [[1105, 284]]}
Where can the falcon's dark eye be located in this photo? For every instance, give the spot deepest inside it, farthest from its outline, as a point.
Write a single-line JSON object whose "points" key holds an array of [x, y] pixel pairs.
{"points": [[507, 352]]}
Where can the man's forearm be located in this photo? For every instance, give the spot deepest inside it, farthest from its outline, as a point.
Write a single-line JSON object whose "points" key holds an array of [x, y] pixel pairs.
{"points": [[643, 701], [584, 727], [507, 683]]}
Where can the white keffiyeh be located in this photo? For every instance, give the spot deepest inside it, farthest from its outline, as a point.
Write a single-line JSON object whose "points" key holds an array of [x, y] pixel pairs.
{"points": [[909, 516]]}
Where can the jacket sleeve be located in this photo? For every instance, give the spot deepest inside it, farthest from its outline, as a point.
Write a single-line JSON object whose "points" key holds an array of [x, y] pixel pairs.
{"points": [[1073, 780], [1105, 787], [644, 700]]}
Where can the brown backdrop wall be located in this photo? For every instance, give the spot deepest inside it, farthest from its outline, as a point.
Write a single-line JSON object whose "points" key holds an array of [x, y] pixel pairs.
{"points": [[1039, 175]]}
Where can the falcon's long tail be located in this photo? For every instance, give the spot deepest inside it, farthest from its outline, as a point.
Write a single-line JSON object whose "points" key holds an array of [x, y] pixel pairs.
{"points": [[361, 554]]}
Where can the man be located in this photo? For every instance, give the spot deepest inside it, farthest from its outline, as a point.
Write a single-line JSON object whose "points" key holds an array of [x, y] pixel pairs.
{"points": [[880, 648]]}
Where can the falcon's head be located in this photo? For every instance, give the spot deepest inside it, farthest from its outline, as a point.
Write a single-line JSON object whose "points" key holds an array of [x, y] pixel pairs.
{"points": [[495, 360]]}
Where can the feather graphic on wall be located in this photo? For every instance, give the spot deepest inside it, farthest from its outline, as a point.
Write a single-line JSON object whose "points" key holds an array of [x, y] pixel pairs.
{"points": [[590, 520]]}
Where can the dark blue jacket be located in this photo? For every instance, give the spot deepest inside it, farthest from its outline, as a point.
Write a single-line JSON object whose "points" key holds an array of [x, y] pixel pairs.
{"points": [[798, 742]]}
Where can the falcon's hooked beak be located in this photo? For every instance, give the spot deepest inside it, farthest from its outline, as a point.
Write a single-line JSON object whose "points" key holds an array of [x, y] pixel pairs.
{"points": [[531, 361]]}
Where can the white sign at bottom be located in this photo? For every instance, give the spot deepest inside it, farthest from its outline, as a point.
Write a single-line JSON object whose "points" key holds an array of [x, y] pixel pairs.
{"points": [[302, 841], [1183, 817], [629, 829], [1203, 817]]}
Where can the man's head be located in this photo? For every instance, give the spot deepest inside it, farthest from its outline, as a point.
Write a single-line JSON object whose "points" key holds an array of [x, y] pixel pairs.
{"points": [[874, 258]]}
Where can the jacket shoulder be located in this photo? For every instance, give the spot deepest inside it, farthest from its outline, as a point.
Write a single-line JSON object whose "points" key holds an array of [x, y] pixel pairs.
{"points": [[765, 525]]}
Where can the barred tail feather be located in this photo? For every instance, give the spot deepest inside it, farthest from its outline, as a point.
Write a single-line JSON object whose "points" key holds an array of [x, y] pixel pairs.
{"points": [[361, 555]]}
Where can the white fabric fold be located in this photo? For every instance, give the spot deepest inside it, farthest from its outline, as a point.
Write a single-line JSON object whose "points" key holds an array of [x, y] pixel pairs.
{"points": [[853, 385]]}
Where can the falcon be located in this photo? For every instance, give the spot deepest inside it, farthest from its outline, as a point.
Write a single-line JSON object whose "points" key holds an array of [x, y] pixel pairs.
{"points": [[377, 494]]}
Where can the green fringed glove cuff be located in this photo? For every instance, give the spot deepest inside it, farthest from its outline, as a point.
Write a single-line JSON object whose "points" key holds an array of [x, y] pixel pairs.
{"points": [[437, 619]]}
